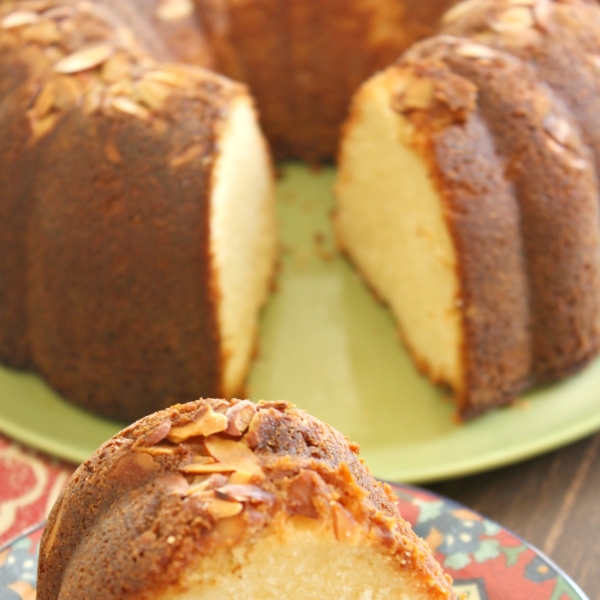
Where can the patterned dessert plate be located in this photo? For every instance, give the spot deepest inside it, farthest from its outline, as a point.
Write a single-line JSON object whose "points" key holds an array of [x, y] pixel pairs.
{"points": [[329, 347], [486, 561]]}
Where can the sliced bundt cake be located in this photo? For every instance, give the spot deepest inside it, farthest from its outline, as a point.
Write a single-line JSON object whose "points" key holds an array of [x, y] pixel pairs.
{"points": [[231, 500], [138, 224], [468, 199]]}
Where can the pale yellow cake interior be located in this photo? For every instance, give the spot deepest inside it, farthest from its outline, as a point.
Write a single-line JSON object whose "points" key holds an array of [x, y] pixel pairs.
{"points": [[243, 236], [390, 222], [301, 561]]}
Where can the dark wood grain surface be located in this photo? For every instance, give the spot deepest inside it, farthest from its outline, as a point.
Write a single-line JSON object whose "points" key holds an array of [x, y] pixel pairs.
{"points": [[552, 501]]}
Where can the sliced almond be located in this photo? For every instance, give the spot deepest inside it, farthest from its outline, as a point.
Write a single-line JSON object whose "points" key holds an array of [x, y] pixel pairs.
{"points": [[173, 78], [67, 92], [222, 509], [45, 100], [208, 423], [42, 127], [469, 50], [152, 93], [244, 493], [345, 527], [461, 9], [203, 460], [203, 469], [558, 128], [59, 12], [513, 19], [19, 19], [116, 68], [233, 453], [239, 416], [419, 94], [129, 107], [156, 450], [174, 10], [84, 59], [45, 33], [241, 477]]}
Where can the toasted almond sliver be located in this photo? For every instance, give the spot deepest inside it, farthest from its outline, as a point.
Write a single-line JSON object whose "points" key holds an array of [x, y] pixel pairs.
{"points": [[233, 453], [208, 423], [84, 59], [221, 509], [129, 107], [174, 10], [19, 19], [200, 469]]}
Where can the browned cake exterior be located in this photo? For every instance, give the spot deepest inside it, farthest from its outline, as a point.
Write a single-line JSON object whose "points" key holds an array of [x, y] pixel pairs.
{"points": [[107, 284], [304, 59], [560, 40], [556, 186], [133, 520]]}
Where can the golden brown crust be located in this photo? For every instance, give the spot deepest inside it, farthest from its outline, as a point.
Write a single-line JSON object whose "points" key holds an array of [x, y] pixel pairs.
{"points": [[176, 486], [304, 59], [101, 241]]}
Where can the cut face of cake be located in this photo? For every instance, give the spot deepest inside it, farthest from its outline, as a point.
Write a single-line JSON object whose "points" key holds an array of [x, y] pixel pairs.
{"points": [[216, 500], [471, 221]]}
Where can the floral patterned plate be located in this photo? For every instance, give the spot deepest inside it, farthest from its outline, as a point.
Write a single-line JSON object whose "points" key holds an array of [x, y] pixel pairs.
{"points": [[486, 561]]}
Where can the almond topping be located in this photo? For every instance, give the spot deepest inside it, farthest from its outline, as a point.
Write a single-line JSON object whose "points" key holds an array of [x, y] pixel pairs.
{"points": [[233, 453], [174, 10], [172, 78], [419, 94], [476, 51], [513, 19], [461, 9], [127, 106], [239, 416], [152, 93], [84, 59], [209, 422], [203, 469], [116, 68], [42, 127], [221, 509], [156, 450], [67, 92], [44, 102], [19, 19], [42, 33]]}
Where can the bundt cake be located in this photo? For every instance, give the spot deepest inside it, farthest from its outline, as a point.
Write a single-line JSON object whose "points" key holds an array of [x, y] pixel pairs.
{"points": [[217, 499], [303, 59], [468, 196], [138, 235]]}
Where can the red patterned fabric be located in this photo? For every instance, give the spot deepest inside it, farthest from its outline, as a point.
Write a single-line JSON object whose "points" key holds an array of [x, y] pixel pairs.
{"points": [[29, 484]]}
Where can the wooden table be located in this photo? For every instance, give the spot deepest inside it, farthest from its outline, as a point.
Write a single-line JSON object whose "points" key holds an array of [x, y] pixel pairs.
{"points": [[552, 501]]}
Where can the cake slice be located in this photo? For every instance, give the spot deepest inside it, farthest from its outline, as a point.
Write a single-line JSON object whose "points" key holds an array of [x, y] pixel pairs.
{"points": [[466, 214], [218, 500]]}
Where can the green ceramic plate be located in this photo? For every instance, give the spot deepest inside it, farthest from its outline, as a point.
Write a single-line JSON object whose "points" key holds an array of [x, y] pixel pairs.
{"points": [[329, 347]]}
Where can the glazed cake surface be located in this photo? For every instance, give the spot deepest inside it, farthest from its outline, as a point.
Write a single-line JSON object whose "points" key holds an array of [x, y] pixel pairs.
{"points": [[218, 499]]}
